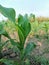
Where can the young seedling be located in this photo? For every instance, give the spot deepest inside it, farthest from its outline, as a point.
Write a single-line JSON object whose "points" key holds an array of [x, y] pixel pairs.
{"points": [[23, 28]]}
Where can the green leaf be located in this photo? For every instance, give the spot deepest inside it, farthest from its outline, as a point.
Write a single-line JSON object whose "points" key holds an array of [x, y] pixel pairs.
{"points": [[8, 12], [7, 62], [26, 26], [20, 19], [30, 46], [20, 33], [1, 28], [14, 43], [6, 34], [23, 22]]}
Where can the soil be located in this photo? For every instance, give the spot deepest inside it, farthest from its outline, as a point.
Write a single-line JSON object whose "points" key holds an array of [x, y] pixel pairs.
{"points": [[42, 44]]}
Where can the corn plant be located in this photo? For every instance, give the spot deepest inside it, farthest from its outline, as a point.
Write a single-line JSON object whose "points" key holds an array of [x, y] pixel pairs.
{"points": [[23, 28], [35, 27], [46, 28], [32, 17]]}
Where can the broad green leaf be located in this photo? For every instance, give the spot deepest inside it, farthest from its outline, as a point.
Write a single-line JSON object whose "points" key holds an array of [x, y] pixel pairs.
{"points": [[20, 33], [20, 20], [14, 43], [24, 23], [8, 12], [26, 26], [20, 29], [30, 46]]}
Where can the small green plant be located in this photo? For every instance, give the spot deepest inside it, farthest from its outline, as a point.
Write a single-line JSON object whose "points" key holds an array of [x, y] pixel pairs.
{"points": [[46, 27], [32, 17], [35, 27], [23, 28]]}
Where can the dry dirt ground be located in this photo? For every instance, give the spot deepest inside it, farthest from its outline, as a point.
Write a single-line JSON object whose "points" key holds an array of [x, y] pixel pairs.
{"points": [[42, 45], [42, 48]]}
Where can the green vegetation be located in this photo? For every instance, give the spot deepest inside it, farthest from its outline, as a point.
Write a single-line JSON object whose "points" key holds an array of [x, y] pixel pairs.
{"points": [[40, 28], [23, 27]]}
